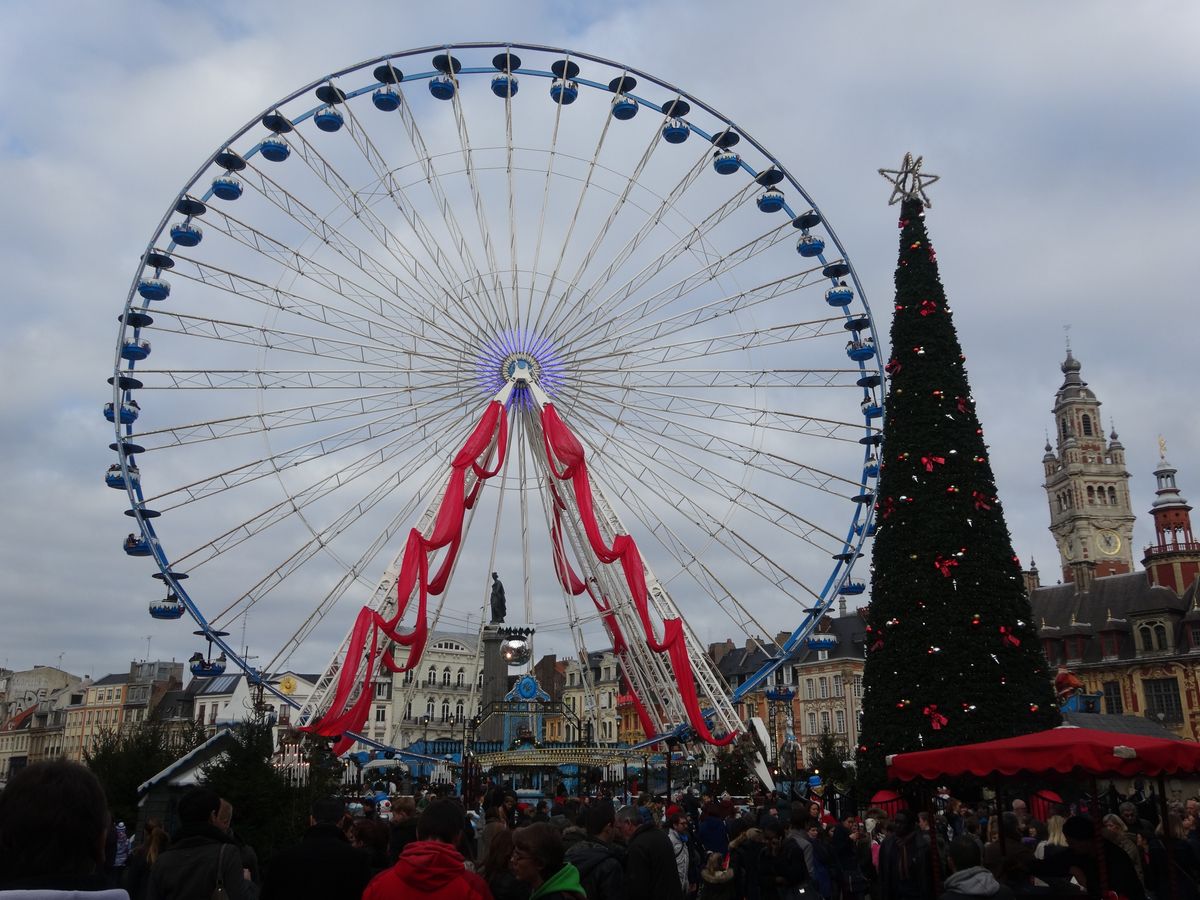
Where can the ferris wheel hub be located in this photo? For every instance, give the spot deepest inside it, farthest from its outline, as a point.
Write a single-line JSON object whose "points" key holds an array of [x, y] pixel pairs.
{"points": [[520, 368]]}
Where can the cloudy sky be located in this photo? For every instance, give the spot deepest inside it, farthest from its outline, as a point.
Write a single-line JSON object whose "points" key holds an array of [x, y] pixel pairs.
{"points": [[1064, 135]]}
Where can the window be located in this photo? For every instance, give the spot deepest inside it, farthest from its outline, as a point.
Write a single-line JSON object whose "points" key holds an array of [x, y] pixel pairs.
{"points": [[824, 721], [1112, 496], [1162, 699], [408, 710], [446, 677], [200, 714], [462, 674], [810, 689], [839, 716], [1194, 636], [857, 688], [837, 686], [381, 690], [1063, 427], [429, 708], [822, 655], [812, 723], [823, 690], [458, 711], [380, 714], [1091, 495], [445, 710], [1086, 421], [1112, 698], [408, 677], [432, 677], [1153, 636]]}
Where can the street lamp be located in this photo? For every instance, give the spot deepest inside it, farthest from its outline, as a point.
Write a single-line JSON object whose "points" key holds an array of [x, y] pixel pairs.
{"points": [[424, 743]]}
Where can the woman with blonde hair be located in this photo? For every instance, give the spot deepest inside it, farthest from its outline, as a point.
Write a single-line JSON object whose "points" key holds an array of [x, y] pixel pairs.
{"points": [[1054, 837]]}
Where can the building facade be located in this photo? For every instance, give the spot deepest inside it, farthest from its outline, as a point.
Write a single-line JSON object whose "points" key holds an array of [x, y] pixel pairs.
{"points": [[435, 700], [117, 701], [1130, 636]]}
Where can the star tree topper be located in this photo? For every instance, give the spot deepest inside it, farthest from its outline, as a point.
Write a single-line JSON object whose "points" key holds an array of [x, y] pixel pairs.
{"points": [[909, 182]]}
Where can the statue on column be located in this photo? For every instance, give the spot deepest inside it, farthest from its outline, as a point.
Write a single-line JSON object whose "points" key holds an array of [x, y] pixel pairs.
{"points": [[498, 609]]}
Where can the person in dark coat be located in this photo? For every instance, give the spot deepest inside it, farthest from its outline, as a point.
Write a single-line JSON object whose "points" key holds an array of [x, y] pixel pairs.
{"points": [[650, 871], [601, 867], [968, 877], [711, 831], [323, 866], [1081, 860], [53, 825], [403, 827], [202, 854]]}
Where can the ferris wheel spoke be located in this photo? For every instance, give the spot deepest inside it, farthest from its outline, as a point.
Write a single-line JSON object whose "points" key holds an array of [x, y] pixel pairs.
{"points": [[388, 332], [551, 158], [741, 379], [643, 332], [429, 277], [613, 308], [511, 189], [706, 347], [270, 420], [287, 379], [618, 205], [481, 217], [327, 234], [445, 208], [382, 356], [421, 445], [654, 219], [722, 488], [375, 302], [728, 413], [694, 439], [310, 548], [291, 458]]}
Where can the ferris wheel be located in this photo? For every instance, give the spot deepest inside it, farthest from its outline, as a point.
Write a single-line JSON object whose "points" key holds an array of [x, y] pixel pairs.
{"points": [[496, 307]]}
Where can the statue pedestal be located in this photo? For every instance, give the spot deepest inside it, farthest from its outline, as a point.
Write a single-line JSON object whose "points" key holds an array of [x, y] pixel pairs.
{"points": [[495, 681]]}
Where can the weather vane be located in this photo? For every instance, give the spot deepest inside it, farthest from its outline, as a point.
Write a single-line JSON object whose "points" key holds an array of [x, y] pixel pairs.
{"points": [[909, 182], [1162, 448]]}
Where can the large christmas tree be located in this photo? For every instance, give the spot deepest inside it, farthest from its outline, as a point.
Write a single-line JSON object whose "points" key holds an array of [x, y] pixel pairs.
{"points": [[952, 653]]}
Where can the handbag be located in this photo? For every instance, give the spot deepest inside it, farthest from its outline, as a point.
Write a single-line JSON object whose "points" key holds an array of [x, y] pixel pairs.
{"points": [[219, 892]]}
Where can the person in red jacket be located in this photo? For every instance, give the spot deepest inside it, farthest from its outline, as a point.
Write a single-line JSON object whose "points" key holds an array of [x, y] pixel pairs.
{"points": [[430, 868]]}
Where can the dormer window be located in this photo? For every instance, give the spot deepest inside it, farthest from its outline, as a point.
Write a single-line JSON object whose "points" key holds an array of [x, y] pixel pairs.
{"points": [[1152, 637], [1194, 636], [1074, 646], [1050, 649], [1110, 645]]}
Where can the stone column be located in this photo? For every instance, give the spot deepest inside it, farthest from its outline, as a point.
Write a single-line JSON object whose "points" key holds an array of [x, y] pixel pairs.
{"points": [[495, 682]]}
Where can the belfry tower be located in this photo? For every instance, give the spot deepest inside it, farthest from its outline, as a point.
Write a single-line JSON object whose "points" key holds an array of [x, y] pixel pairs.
{"points": [[1091, 516], [1174, 559]]}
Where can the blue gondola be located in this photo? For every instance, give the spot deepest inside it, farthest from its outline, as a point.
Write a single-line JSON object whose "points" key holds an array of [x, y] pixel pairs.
{"points": [[329, 119], [675, 131], [871, 467], [564, 91], [863, 527], [839, 295], [726, 162], [275, 149], [135, 351], [770, 201], [860, 351], [624, 108], [114, 479], [505, 85], [136, 546], [154, 288], [128, 413], [206, 668], [386, 99], [226, 187], [822, 641], [185, 234], [871, 409], [170, 607], [809, 246], [850, 588], [442, 87]]}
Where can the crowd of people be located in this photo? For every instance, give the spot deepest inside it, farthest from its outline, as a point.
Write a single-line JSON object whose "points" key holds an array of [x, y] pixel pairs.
{"points": [[57, 842]]}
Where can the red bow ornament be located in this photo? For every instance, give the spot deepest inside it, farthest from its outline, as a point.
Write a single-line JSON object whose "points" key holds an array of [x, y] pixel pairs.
{"points": [[1009, 638], [945, 565], [928, 307], [930, 461], [893, 366], [981, 500], [887, 507], [936, 719]]}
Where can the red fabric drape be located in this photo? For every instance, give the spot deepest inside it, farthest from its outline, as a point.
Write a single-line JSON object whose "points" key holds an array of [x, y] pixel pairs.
{"points": [[563, 448], [490, 434]]}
